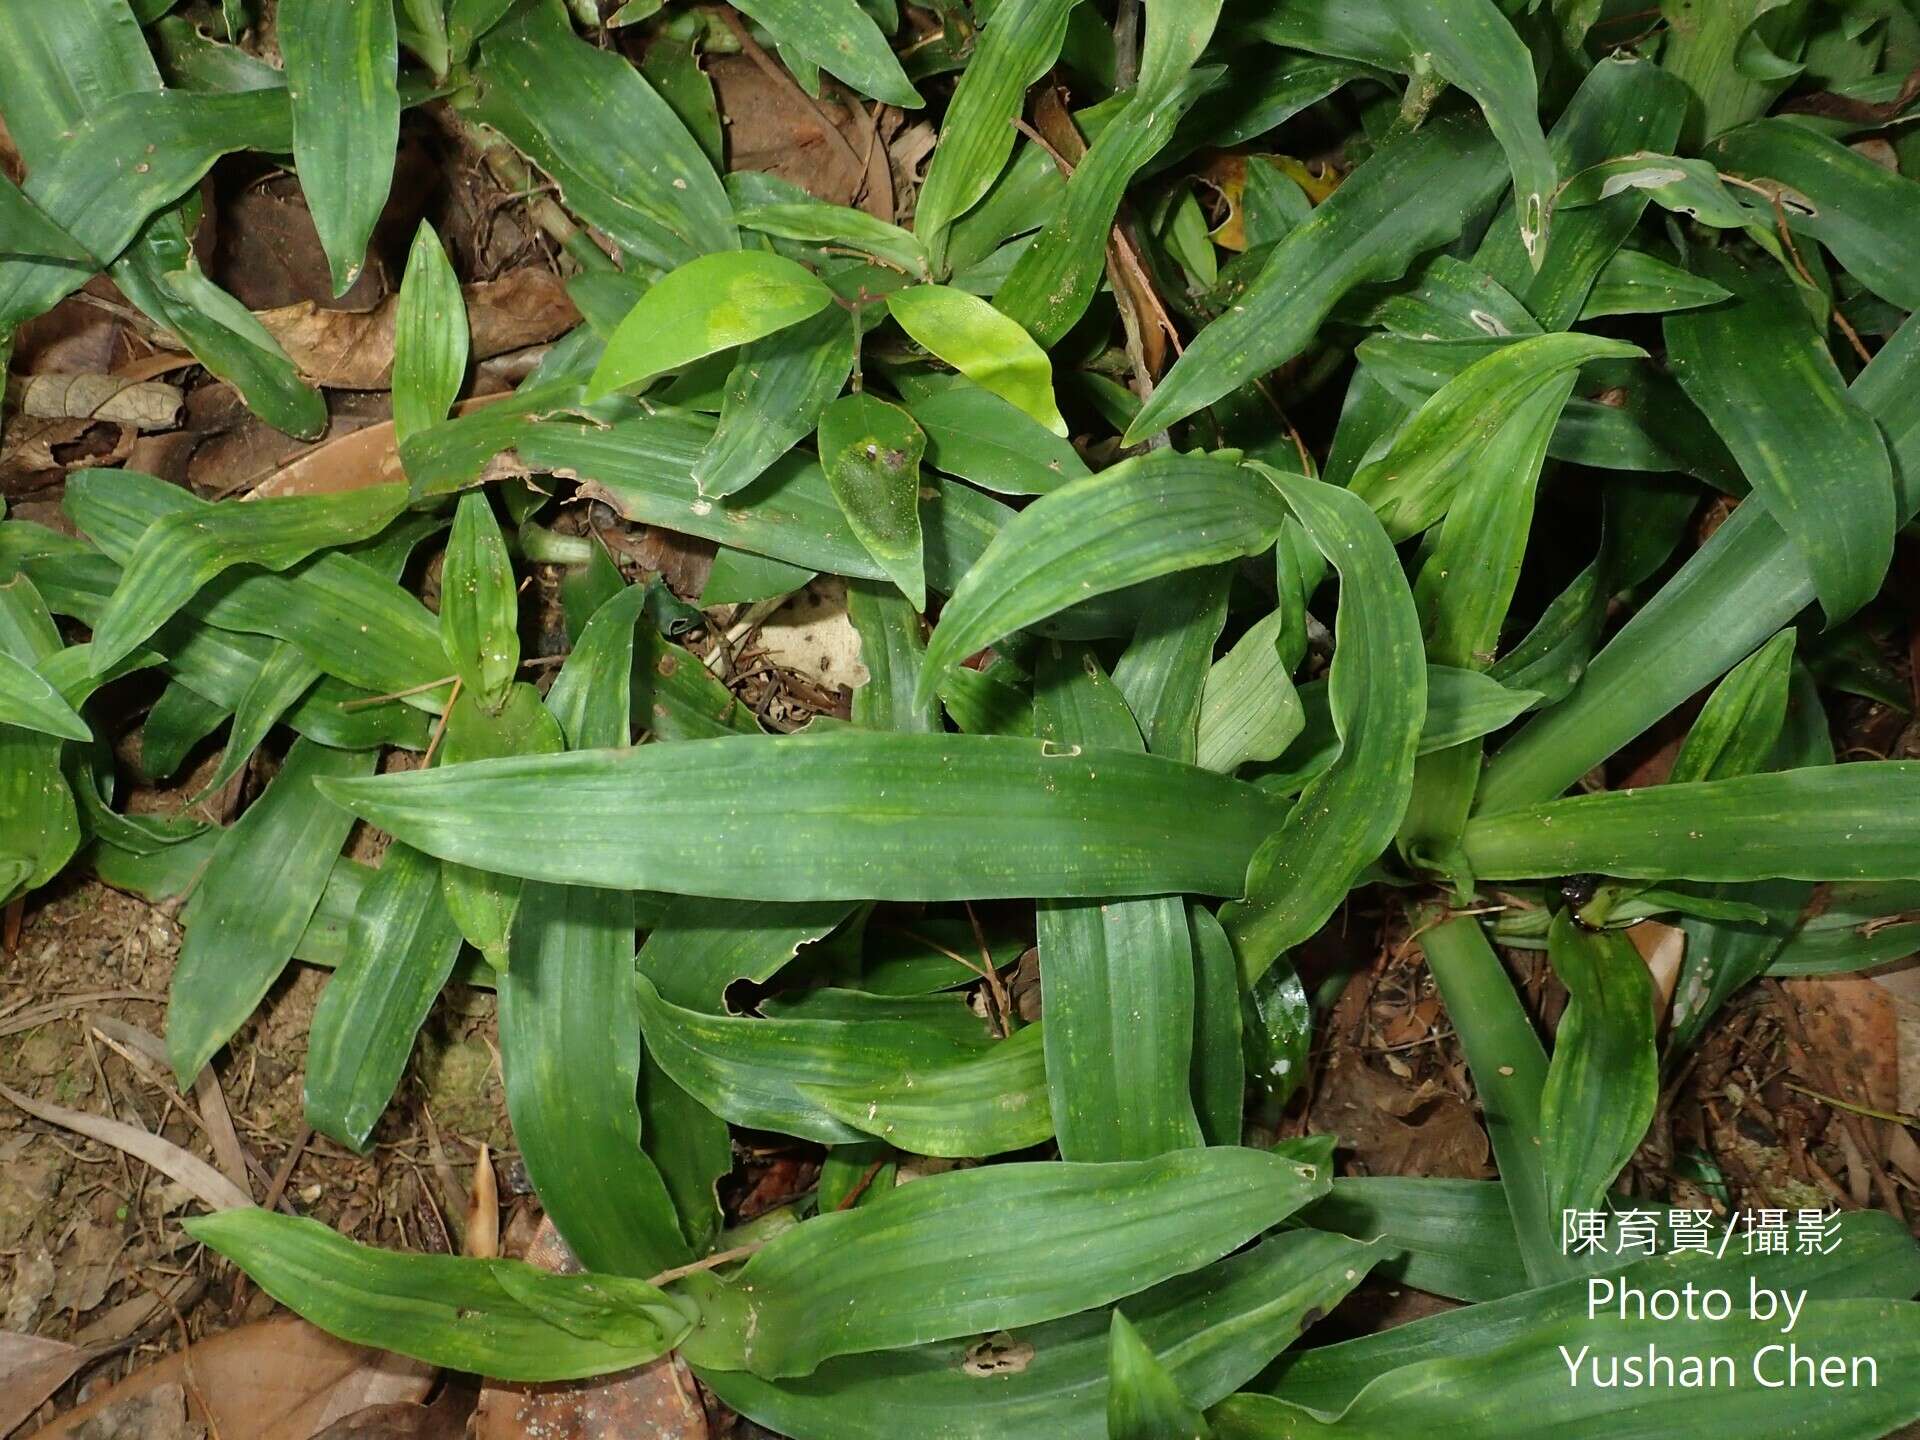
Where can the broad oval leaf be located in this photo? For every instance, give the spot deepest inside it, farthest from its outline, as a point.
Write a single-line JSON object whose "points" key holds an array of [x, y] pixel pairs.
{"points": [[871, 453], [983, 345], [706, 305]]}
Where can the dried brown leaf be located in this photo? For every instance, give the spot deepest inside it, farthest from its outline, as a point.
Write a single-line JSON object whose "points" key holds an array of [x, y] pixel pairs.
{"points": [[281, 1379]]}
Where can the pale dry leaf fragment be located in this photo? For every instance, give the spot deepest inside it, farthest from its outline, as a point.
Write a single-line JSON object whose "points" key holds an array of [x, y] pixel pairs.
{"points": [[483, 1209], [143, 404], [205, 1183], [208, 1098], [31, 1369], [353, 350], [279, 1379]]}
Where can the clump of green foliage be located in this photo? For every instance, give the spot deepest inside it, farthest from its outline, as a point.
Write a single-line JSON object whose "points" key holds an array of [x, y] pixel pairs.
{"points": [[1394, 554]]}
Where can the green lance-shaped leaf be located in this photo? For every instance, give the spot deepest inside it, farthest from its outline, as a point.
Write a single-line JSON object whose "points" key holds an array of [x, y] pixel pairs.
{"points": [[1634, 282], [1765, 715], [841, 38], [1143, 1400], [973, 433], [1875, 1258], [1523, 1388], [468, 20], [400, 953], [1604, 1079], [624, 161], [158, 273], [1739, 726], [479, 606], [501, 1318], [1474, 46], [1509, 1073], [103, 206], [1249, 709], [752, 1071], [342, 60], [1681, 184], [1830, 822], [255, 899], [893, 647], [773, 399], [986, 1104], [1414, 194], [865, 816], [1149, 516], [179, 554], [1865, 214], [483, 903], [871, 452], [1212, 1329], [30, 702], [1624, 104], [824, 224], [31, 235], [1414, 482], [1766, 381], [1163, 671], [1219, 1072], [568, 991], [983, 345], [1463, 593], [430, 339], [1118, 973], [986, 1249], [1450, 1237], [706, 305], [43, 827], [643, 468], [701, 946], [1378, 689], [1015, 49], [1056, 276], [1725, 56], [1741, 587]]}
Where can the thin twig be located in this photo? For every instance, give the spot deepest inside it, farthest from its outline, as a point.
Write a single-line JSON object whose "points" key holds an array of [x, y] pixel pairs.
{"points": [[724, 1257], [365, 701], [994, 985]]}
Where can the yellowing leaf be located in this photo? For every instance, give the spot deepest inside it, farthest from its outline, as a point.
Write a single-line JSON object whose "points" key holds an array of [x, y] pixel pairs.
{"points": [[708, 304], [983, 345]]}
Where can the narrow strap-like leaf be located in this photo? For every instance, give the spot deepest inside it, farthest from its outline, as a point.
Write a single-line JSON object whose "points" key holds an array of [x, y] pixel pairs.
{"points": [[342, 60]]}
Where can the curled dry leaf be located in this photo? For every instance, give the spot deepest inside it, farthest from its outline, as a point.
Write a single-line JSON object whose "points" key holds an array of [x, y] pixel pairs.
{"points": [[31, 1369], [144, 404], [280, 1379], [349, 350]]}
